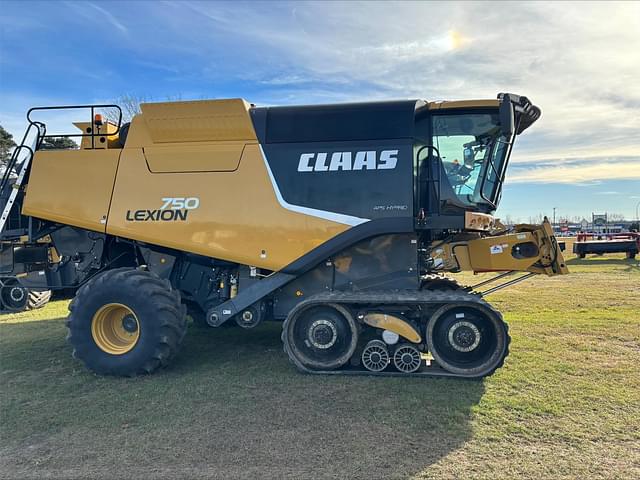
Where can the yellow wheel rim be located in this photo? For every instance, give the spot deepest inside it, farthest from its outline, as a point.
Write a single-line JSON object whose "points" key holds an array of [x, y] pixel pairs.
{"points": [[115, 328]]}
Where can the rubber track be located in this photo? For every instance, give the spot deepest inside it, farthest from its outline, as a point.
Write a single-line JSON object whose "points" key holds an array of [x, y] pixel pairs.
{"points": [[377, 298], [439, 282]]}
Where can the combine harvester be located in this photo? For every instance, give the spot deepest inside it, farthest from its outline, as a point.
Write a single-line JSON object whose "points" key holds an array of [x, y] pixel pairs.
{"points": [[339, 220]]}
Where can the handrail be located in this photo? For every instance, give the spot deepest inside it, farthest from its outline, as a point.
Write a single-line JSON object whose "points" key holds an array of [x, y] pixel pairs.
{"points": [[78, 107], [430, 180], [10, 165]]}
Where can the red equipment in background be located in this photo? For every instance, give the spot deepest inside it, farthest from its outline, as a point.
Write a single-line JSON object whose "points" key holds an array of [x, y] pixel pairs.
{"points": [[628, 243]]}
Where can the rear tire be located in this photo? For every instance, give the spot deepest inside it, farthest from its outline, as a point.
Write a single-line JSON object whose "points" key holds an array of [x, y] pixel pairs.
{"points": [[126, 322]]}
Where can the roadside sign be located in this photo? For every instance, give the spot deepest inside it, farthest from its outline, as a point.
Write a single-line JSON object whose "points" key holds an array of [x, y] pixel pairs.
{"points": [[599, 220]]}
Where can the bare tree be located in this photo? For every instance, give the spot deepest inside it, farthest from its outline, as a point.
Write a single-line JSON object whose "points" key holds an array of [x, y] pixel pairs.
{"points": [[536, 219], [615, 217], [130, 106], [508, 221]]}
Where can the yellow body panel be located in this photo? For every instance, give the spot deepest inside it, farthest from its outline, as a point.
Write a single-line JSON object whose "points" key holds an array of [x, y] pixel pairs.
{"points": [[194, 158], [72, 187], [445, 105], [238, 219], [100, 140], [139, 136], [199, 121]]}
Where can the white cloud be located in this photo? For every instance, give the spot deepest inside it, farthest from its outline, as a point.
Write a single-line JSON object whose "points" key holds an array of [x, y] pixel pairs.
{"points": [[577, 173], [109, 17], [578, 61]]}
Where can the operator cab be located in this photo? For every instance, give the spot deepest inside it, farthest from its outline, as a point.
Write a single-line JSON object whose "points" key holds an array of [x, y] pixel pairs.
{"points": [[473, 153], [462, 150]]}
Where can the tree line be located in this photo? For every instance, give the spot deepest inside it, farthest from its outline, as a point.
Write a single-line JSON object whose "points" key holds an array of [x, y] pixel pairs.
{"points": [[8, 144]]}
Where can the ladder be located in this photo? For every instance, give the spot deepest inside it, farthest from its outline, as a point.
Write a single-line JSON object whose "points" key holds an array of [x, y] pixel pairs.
{"points": [[17, 167]]}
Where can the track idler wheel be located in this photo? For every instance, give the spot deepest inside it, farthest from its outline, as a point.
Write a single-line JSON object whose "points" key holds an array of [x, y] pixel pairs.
{"points": [[407, 358], [14, 297], [320, 337], [251, 316], [375, 356], [467, 339]]}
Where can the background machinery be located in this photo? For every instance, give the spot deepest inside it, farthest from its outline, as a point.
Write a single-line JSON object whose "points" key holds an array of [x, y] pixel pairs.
{"points": [[16, 298], [339, 220], [599, 244]]}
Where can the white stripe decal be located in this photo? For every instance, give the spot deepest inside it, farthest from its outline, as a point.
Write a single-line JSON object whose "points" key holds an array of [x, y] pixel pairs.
{"points": [[332, 216]]}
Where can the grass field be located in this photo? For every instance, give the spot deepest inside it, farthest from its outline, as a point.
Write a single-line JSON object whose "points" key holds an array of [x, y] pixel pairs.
{"points": [[565, 405]]}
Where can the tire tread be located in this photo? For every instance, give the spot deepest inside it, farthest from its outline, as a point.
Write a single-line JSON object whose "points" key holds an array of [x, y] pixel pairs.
{"points": [[166, 302]]}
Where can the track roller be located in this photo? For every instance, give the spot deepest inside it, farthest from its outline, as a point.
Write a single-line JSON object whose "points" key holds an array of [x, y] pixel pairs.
{"points": [[375, 356], [321, 337], [251, 316], [407, 358], [468, 339]]}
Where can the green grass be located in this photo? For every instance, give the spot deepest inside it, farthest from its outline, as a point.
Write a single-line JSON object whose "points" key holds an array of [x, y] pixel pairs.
{"points": [[566, 403]]}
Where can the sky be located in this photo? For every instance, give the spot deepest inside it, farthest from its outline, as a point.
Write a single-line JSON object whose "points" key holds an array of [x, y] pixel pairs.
{"points": [[580, 62]]}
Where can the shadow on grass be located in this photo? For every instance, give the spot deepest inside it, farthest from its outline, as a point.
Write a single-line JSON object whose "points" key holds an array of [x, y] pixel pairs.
{"points": [[592, 260], [229, 406]]}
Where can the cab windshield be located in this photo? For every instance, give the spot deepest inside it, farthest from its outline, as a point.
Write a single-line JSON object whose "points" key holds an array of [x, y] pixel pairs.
{"points": [[472, 148]]}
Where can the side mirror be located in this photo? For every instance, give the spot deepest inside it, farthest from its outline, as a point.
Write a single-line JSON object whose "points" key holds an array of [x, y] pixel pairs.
{"points": [[507, 121]]}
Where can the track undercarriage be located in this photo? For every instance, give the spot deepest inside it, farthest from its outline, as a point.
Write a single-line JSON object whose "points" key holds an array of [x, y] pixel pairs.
{"points": [[453, 333]]}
